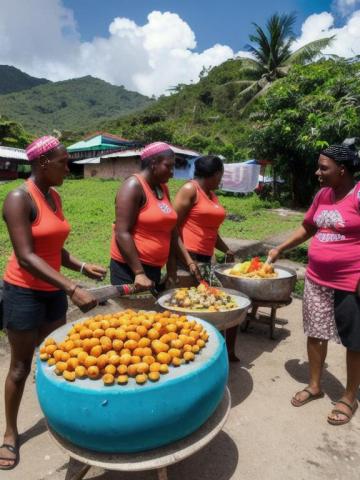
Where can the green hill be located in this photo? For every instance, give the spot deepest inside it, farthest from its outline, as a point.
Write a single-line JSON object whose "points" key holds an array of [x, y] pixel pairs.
{"points": [[14, 80], [199, 116], [76, 105]]}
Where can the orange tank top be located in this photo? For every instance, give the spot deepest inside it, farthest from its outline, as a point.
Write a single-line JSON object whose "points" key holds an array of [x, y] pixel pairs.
{"points": [[200, 228], [49, 231], [152, 230]]}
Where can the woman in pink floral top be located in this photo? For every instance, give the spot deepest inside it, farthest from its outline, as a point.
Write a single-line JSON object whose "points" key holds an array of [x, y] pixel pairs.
{"points": [[331, 307]]}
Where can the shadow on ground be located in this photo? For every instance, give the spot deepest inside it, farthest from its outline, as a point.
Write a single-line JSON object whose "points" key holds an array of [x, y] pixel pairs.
{"points": [[255, 341], [216, 461], [299, 371], [38, 429], [240, 383]]}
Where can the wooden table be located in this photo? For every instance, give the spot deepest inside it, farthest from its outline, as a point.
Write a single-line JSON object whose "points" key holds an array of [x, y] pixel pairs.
{"points": [[256, 304], [159, 459]]}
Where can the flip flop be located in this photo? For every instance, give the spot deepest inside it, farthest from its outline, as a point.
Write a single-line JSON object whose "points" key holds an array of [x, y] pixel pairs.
{"points": [[310, 398], [13, 449], [336, 411]]}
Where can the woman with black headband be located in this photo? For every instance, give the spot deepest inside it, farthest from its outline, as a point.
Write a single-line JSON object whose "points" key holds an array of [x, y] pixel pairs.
{"points": [[331, 307], [200, 216]]}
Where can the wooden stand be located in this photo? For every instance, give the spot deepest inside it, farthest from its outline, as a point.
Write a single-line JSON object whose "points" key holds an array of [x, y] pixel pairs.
{"points": [[256, 304], [82, 460]]}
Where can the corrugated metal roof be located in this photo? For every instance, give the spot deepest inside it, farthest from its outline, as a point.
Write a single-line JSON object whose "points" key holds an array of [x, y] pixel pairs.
{"points": [[134, 153], [88, 160], [12, 153], [137, 153]]}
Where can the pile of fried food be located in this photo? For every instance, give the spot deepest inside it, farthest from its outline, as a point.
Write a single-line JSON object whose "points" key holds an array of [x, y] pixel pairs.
{"points": [[126, 344], [253, 268], [202, 298]]}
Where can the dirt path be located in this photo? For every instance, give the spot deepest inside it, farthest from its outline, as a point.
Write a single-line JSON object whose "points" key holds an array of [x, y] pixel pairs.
{"points": [[265, 438]]}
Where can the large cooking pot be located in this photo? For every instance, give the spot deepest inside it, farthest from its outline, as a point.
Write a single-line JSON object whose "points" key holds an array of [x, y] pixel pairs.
{"points": [[134, 418], [276, 289], [220, 320]]}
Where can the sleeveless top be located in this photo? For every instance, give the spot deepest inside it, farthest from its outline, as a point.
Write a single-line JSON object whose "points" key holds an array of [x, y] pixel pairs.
{"points": [[152, 230], [49, 231], [334, 251], [200, 228]]}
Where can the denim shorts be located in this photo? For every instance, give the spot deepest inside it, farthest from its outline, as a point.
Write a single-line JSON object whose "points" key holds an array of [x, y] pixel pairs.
{"points": [[28, 309]]}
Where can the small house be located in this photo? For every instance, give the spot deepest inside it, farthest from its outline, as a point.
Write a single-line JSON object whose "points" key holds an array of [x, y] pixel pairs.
{"points": [[124, 163], [13, 162]]}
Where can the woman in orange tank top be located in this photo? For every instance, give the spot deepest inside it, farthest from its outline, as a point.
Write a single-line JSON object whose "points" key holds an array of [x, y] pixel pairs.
{"points": [[145, 228], [200, 216], [35, 292]]}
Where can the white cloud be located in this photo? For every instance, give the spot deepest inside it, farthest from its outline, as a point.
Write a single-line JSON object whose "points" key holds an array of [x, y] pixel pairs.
{"points": [[148, 58], [347, 38], [41, 37], [346, 6]]}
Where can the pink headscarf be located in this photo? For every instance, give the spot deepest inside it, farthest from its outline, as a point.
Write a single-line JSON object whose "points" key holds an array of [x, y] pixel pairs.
{"points": [[40, 146], [156, 148]]}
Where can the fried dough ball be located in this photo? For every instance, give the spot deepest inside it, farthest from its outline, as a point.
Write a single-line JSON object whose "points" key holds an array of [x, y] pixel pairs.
{"points": [[93, 372], [80, 371], [141, 378], [154, 376], [123, 379], [141, 345], [163, 357], [108, 379], [69, 376]]}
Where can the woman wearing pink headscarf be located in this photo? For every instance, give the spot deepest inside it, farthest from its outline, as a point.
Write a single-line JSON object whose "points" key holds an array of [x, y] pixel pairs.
{"points": [[35, 292], [145, 226]]}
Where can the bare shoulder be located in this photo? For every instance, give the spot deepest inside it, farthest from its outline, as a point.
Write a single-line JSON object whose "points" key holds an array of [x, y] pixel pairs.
{"points": [[17, 196], [130, 190], [188, 189], [16, 202]]}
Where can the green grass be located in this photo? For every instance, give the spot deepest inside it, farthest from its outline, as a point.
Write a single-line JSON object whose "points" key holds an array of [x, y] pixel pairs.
{"points": [[89, 206]]}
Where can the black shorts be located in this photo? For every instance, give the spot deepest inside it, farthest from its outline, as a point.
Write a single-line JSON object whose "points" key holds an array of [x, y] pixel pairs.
{"points": [[347, 318], [28, 309], [121, 273], [199, 257]]}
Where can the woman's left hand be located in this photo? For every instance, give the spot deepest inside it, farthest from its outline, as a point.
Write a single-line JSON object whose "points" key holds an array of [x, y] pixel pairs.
{"points": [[229, 256], [95, 272], [195, 271], [172, 281]]}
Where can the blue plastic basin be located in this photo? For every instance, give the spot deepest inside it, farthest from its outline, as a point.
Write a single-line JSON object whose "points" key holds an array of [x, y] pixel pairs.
{"points": [[135, 418]]}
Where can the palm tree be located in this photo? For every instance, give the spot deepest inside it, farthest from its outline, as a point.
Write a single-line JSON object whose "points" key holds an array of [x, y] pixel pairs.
{"points": [[273, 57]]}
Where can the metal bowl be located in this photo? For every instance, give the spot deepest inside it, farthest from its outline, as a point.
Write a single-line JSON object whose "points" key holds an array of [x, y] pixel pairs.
{"points": [[220, 320], [266, 289]]}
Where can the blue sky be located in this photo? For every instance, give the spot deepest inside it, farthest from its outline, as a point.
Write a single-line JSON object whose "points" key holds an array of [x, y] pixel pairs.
{"points": [[213, 21]]}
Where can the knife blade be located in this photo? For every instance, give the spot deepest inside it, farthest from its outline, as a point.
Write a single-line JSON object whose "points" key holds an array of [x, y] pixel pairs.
{"points": [[104, 293], [111, 291]]}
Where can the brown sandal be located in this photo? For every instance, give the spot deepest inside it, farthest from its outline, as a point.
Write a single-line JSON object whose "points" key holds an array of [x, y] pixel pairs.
{"points": [[310, 398], [336, 411]]}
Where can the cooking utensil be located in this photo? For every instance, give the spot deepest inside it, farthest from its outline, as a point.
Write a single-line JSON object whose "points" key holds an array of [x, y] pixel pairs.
{"points": [[220, 320], [276, 289], [104, 293], [111, 291]]}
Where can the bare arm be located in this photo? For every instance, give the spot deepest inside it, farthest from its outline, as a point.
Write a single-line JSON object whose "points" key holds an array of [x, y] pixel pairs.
{"points": [[178, 250], [127, 207], [16, 212], [301, 235], [183, 203], [90, 270]]}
